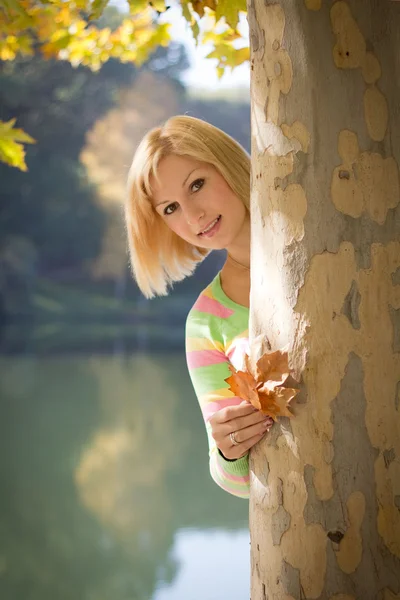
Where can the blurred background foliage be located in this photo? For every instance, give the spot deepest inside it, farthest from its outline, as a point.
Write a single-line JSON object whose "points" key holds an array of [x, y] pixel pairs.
{"points": [[91, 32], [103, 452], [63, 256]]}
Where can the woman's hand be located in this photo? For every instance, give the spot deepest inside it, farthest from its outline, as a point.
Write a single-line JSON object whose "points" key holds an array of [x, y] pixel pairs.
{"points": [[246, 423]]}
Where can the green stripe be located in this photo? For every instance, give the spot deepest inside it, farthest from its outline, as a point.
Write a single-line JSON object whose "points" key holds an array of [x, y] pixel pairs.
{"points": [[211, 378]]}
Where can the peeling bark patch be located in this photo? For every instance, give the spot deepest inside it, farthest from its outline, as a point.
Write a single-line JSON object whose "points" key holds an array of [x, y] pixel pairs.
{"points": [[326, 428], [265, 76], [353, 508], [290, 578], [376, 113], [254, 29], [299, 133], [396, 277], [280, 524], [350, 550], [277, 145], [351, 304], [371, 183], [280, 519], [350, 48], [388, 457], [371, 69], [329, 279], [397, 501], [395, 318], [382, 373], [350, 52]]}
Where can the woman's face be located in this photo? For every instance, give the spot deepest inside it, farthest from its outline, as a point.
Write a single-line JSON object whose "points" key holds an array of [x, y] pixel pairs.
{"points": [[195, 202]]}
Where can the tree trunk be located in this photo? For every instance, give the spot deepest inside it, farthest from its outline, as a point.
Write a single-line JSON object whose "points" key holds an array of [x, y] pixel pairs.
{"points": [[325, 485]]}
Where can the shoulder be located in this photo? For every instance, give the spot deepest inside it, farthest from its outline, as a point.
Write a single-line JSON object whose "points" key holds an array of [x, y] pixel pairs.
{"points": [[209, 307]]}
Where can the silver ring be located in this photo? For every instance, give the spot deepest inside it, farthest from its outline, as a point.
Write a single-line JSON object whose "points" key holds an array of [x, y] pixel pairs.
{"points": [[233, 439]]}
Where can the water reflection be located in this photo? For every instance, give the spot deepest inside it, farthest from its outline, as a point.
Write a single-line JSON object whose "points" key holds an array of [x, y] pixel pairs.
{"points": [[106, 493], [212, 564]]}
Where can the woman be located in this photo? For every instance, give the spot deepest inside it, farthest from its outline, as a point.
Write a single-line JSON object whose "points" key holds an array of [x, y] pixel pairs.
{"points": [[189, 187]]}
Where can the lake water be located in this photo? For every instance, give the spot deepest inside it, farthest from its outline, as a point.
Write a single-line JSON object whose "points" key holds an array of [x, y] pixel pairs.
{"points": [[105, 488]]}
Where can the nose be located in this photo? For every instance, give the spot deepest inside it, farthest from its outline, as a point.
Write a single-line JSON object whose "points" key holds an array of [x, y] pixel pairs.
{"points": [[193, 215]]}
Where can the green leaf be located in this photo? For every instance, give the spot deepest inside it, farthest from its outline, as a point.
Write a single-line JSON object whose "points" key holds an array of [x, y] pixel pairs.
{"points": [[11, 151]]}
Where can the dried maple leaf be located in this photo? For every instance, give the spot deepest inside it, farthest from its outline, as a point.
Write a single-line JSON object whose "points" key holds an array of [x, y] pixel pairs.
{"points": [[275, 402], [265, 390], [273, 368], [243, 384]]}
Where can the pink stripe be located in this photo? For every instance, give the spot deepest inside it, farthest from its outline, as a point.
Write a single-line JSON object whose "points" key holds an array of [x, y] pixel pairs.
{"points": [[212, 307], [211, 407], [204, 358], [230, 477], [238, 492]]}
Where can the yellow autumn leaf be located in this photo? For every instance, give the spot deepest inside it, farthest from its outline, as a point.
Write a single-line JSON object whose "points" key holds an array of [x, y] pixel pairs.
{"points": [[67, 30], [137, 6], [12, 139], [230, 10], [97, 8], [159, 5], [241, 55]]}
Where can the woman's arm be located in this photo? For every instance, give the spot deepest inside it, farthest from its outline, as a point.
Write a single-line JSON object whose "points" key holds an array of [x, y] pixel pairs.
{"points": [[208, 368]]}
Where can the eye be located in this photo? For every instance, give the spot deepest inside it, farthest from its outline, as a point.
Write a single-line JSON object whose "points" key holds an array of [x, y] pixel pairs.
{"points": [[197, 185], [171, 208]]}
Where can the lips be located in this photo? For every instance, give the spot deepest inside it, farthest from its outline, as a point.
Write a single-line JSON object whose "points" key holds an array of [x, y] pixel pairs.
{"points": [[210, 227]]}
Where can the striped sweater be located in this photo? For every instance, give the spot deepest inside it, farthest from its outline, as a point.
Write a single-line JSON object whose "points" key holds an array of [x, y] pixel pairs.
{"points": [[216, 335]]}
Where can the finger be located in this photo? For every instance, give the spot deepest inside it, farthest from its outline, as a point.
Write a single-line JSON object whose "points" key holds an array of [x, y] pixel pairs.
{"points": [[242, 435], [248, 444], [232, 412], [235, 452], [240, 423]]}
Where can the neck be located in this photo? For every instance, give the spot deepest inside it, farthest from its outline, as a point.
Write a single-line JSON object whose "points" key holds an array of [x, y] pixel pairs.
{"points": [[239, 251], [238, 264]]}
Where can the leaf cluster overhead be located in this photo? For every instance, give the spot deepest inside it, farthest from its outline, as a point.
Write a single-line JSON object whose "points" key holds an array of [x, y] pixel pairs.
{"points": [[70, 30]]}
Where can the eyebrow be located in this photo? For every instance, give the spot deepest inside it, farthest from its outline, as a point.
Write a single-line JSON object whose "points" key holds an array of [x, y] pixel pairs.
{"points": [[183, 185]]}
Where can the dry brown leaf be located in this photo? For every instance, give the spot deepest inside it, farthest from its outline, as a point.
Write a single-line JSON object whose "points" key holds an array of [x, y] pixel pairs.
{"points": [[265, 390], [275, 403], [273, 368], [243, 384]]}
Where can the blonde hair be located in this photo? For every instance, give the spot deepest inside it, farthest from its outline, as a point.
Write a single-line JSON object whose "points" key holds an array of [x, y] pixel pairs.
{"points": [[158, 256]]}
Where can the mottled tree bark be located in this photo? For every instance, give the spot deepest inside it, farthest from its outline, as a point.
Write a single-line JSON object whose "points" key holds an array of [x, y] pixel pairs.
{"points": [[325, 485]]}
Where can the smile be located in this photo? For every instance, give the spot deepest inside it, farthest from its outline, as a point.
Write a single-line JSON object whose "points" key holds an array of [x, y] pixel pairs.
{"points": [[211, 228]]}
